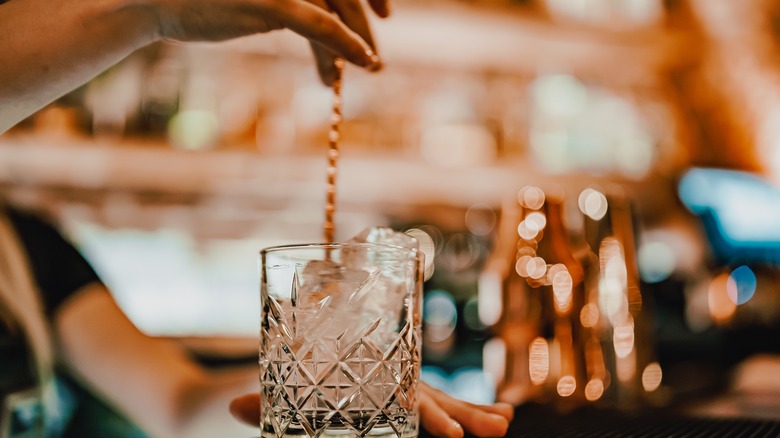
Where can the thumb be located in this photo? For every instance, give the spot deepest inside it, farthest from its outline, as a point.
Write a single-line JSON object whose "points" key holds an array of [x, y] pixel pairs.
{"points": [[246, 409]]}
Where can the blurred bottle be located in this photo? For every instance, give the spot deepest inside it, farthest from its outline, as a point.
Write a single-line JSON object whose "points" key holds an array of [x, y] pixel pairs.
{"points": [[617, 311], [542, 292], [571, 316], [503, 304]]}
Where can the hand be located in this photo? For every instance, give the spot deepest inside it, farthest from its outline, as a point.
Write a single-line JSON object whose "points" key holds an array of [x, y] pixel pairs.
{"points": [[352, 14], [346, 34], [440, 414], [446, 417]]}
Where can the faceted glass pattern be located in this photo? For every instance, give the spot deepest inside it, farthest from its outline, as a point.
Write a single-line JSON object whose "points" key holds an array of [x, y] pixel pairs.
{"points": [[340, 341]]}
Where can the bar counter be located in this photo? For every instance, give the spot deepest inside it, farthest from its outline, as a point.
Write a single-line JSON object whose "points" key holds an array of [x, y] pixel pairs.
{"points": [[537, 421]]}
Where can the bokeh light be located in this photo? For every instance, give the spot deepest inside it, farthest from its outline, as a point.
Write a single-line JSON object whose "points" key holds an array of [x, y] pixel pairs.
{"points": [[626, 367], [623, 339], [521, 266], [536, 268], [566, 386], [652, 376], [741, 285], [471, 315], [531, 197], [436, 236], [538, 361], [594, 389], [562, 285], [528, 230], [193, 129], [440, 315], [697, 307], [494, 358], [613, 298], [461, 251], [589, 315], [656, 260], [489, 295], [721, 306], [538, 219], [553, 270], [480, 219], [593, 204], [427, 246]]}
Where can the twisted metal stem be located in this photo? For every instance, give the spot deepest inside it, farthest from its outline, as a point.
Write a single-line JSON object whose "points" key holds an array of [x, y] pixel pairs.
{"points": [[334, 136]]}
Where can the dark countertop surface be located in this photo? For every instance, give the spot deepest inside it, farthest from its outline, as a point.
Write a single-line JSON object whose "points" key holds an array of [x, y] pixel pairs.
{"points": [[535, 420]]}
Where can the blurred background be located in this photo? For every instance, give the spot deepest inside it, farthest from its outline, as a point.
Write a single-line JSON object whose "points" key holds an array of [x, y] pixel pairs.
{"points": [[655, 123]]}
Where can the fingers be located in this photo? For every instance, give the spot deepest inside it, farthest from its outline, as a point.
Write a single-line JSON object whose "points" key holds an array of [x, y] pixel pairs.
{"points": [[482, 421], [326, 67], [436, 421], [318, 25], [380, 7], [324, 58], [352, 14], [505, 410], [246, 409]]}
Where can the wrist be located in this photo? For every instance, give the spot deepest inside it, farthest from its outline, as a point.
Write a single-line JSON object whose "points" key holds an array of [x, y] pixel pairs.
{"points": [[165, 15], [141, 16]]}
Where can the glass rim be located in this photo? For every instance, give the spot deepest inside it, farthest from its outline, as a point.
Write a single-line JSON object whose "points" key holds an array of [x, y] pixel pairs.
{"points": [[335, 245]]}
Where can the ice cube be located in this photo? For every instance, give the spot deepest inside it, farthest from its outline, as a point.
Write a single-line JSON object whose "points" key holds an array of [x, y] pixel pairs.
{"points": [[331, 297], [388, 297], [360, 258], [350, 296], [387, 236]]}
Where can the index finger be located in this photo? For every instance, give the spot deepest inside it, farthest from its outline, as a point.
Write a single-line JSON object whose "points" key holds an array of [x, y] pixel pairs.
{"points": [[381, 7], [477, 420], [324, 28], [352, 14]]}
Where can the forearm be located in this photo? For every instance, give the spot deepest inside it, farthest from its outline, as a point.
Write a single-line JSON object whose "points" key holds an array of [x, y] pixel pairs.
{"points": [[50, 47], [150, 381]]}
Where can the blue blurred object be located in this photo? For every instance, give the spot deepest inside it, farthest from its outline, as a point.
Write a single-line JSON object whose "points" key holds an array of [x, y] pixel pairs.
{"points": [[740, 212], [470, 384], [435, 377], [744, 285]]}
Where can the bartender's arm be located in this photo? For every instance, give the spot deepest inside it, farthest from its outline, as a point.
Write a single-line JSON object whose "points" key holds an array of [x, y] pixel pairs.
{"points": [[151, 381], [50, 47], [165, 393]]}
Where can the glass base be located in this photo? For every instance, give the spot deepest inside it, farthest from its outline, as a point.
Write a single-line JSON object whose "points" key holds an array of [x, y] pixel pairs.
{"points": [[379, 430]]}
